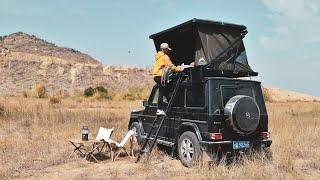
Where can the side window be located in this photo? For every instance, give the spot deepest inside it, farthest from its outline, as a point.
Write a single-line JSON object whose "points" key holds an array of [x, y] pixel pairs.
{"points": [[195, 96], [154, 99]]}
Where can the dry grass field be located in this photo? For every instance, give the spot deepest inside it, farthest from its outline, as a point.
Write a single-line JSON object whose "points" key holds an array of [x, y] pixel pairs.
{"points": [[33, 143]]}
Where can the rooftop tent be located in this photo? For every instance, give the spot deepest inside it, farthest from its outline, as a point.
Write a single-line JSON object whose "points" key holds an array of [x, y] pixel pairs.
{"points": [[218, 44]]}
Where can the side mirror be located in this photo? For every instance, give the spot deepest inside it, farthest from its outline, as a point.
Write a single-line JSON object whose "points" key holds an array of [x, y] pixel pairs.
{"points": [[145, 103]]}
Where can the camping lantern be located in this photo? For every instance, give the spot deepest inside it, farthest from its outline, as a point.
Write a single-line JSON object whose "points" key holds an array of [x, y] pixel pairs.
{"points": [[85, 133]]}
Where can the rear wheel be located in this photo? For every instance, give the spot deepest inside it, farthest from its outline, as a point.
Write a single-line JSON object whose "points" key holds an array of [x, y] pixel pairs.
{"points": [[189, 149]]}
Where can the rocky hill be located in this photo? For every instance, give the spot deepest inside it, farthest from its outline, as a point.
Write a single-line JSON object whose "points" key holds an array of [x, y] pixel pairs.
{"points": [[22, 43], [26, 60]]}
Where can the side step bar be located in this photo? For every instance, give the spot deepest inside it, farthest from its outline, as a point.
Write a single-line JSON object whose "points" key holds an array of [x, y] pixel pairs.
{"points": [[163, 142]]}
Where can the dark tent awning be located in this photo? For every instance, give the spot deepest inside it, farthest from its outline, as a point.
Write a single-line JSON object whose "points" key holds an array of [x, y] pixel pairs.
{"points": [[217, 44]]}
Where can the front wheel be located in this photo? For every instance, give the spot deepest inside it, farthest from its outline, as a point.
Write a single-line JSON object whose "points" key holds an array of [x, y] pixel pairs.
{"points": [[135, 127], [189, 149]]}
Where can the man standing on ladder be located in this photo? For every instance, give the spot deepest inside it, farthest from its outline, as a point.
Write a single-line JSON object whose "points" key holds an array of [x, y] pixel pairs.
{"points": [[162, 62]]}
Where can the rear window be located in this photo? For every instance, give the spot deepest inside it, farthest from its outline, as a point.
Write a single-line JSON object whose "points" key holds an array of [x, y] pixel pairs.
{"points": [[228, 91]]}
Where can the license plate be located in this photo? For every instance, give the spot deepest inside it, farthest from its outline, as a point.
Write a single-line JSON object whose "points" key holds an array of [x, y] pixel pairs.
{"points": [[240, 144]]}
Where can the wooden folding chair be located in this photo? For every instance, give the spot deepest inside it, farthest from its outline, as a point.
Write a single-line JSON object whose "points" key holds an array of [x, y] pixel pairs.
{"points": [[104, 135], [118, 147]]}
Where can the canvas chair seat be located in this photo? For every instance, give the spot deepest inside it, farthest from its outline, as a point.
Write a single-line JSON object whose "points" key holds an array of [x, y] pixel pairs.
{"points": [[104, 134]]}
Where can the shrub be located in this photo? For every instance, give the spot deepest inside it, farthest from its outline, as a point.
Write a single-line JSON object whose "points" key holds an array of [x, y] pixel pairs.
{"points": [[88, 92], [40, 91], [129, 95], [101, 95], [55, 100], [100, 89], [98, 92]]}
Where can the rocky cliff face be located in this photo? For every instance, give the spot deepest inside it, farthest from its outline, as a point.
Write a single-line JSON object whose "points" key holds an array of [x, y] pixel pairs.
{"points": [[26, 60]]}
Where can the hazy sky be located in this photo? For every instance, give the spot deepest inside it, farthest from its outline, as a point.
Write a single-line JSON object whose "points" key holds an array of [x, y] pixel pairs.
{"points": [[283, 42]]}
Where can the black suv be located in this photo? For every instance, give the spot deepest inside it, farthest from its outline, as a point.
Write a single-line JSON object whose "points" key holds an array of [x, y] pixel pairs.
{"points": [[217, 109]]}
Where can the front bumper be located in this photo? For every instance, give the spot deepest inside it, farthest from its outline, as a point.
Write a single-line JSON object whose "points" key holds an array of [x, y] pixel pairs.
{"points": [[228, 144]]}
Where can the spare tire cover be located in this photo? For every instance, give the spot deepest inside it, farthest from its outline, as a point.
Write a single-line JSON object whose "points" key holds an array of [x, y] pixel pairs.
{"points": [[243, 114]]}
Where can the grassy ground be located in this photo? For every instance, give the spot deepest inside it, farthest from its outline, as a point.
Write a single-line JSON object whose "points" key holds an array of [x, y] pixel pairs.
{"points": [[33, 143]]}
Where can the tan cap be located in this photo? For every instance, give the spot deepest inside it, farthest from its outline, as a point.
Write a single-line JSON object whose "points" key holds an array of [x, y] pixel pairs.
{"points": [[165, 46]]}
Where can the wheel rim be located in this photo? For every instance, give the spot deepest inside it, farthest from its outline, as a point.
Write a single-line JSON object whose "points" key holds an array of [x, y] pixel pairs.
{"points": [[187, 149], [135, 135]]}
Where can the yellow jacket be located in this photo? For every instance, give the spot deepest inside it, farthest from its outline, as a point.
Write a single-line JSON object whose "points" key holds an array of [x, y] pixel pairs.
{"points": [[162, 60]]}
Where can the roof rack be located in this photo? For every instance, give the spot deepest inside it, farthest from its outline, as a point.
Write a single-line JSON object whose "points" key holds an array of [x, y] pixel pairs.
{"points": [[202, 21]]}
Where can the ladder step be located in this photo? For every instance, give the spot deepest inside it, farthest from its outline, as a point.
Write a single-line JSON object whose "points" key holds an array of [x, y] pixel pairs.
{"points": [[144, 151]]}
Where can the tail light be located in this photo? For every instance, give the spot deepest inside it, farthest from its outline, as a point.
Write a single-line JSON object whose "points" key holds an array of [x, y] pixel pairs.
{"points": [[264, 135], [216, 136]]}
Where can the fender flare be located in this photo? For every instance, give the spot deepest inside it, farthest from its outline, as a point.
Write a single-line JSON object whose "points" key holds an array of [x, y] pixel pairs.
{"points": [[138, 120], [193, 126]]}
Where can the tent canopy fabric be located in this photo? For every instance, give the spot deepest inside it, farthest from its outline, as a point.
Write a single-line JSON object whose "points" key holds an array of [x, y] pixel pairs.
{"points": [[214, 43]]}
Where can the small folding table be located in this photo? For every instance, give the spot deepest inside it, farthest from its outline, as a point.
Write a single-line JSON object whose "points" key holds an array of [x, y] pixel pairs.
{"points": [[87, 148]]}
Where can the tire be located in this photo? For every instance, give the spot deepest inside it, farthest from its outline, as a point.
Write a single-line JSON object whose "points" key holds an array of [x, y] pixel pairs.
{"points": [[189, 149], [136, 128]]}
